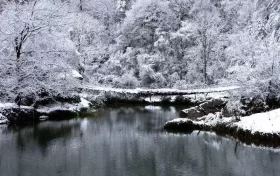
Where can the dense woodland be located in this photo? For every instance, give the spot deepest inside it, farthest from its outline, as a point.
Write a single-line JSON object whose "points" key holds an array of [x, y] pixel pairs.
{"points": [[138, 43]]}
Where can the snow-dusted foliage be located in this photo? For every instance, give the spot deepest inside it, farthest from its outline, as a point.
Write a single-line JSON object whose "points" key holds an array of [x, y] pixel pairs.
{"points": [[139, 43], [174, 42], [36, 53]]}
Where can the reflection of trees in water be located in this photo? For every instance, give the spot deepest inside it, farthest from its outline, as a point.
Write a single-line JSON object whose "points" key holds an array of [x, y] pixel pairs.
{"points": [[126, 142], [43, 134], [136, 118]]}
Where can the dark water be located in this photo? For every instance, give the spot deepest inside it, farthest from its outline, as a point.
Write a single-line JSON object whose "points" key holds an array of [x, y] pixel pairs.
{"points": [[127, 142]]}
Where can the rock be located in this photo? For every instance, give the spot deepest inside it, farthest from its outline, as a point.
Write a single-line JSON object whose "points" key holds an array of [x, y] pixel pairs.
{"points": [[62, 114], [21, 115], [193, 112], [186, 126], [58, 98], [4, 121], [28, 114], [210, 106], [226, 113], [253, 105], [28, 100], [213, 105]]}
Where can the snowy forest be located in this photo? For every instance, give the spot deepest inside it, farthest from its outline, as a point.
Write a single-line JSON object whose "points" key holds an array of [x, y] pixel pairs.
{"points": [[139, 87], [56, 46]]}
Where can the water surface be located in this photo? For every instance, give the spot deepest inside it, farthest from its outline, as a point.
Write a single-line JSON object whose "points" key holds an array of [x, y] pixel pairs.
{"points": [[127, 142]]}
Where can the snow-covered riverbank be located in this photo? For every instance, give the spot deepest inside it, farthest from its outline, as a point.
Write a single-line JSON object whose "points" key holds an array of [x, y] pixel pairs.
{"points": [[256, 128], [10, 112], [149, 92], [110, 96]]}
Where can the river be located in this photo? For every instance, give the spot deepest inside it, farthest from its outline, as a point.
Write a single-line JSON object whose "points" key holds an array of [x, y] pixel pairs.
{"points": [[127, 142]]}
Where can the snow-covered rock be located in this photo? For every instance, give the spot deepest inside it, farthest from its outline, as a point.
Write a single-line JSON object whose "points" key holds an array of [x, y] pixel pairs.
{"points": [[3, 119], [10, 112], [210, 106], [267, 122], [193, 112], [65, 107], [256, 128]]}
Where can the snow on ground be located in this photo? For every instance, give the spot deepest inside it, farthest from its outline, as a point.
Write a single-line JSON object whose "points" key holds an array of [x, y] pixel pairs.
{"points": [[214, 119], [51, 108], [46, 109], [84, 103], [162, 91], [267, 122], [194, 97], [70, 73], [65, 106], [214, 95], [76, 74], [7, 105], [13, 105]]}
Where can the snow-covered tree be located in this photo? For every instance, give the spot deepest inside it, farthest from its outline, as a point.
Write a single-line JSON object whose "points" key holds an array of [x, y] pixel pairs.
{"points": [[35, 50], [144, 21]]}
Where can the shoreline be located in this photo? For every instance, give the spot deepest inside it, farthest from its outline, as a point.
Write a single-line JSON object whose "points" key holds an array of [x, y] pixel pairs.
{"points": [[246, 130], [88, 103], [204, 114], [10, 113]]}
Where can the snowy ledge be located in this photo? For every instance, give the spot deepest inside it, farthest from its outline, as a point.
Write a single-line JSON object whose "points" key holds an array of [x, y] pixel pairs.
{"points": [[84, 104], [10, 113], [149, 92], [260, 129]]}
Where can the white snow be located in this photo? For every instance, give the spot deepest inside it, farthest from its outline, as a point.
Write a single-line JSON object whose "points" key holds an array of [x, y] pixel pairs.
{"points": [[214, 119], [267, 122], [7, 105], [13, 105], [153, 99], [66, 106], [3, 119], [70, 73], [76, 74], [163, 91], [214, 95], [84, 103], [48, 109], [152, 107]]}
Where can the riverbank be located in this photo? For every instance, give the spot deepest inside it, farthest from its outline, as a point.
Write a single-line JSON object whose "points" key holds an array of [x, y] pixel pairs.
{"points": [[260, 128], [91, 99], [10, 113]]}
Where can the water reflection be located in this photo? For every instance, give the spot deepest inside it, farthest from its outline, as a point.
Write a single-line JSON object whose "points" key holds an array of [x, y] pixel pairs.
{"points": [[127, 141]]}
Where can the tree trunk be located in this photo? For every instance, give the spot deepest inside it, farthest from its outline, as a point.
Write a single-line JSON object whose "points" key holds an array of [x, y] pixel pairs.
{"points": [[204, 55], [205, 70], [18, 46], [81, 5]]}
